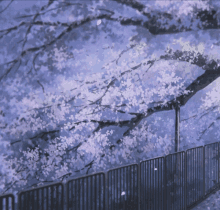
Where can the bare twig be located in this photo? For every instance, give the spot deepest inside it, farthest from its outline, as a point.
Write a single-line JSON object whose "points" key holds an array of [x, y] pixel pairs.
{"points": [[7, 6]]}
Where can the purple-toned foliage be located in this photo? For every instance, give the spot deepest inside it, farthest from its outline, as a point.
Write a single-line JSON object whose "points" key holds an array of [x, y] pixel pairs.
{"points": [[90, 85]]}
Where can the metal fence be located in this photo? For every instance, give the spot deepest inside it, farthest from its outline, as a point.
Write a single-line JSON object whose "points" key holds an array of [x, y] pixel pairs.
{"points": [[7, 202], [48, 197], [194, 175], [122, 188], [152, 184], [177, 181], [87, 193]]}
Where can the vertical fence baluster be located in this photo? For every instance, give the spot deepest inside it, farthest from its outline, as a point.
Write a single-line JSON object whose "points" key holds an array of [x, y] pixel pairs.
{"points": [[6, 203], [158, 198], [1, 207], [185, 182], [165, 183], [57, 197], [139, 190], [203, 170], [218, 164]]}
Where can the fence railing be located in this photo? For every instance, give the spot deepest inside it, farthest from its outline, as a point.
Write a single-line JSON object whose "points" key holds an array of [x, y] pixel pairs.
{"points": [[176, 181], [7, 202], [49, 197]]}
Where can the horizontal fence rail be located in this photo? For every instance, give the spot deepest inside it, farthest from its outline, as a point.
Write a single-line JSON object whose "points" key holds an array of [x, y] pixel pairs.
{"points": [[178, 181]]}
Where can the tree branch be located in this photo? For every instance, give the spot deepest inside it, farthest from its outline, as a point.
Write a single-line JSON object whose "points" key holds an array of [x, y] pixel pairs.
{"points": [[209, 19], [40, 85], [204, 131], [7, 6], [43, 134]]}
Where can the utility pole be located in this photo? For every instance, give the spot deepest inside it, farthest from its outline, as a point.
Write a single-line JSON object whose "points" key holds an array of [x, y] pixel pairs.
{"points": [[177, 128]]}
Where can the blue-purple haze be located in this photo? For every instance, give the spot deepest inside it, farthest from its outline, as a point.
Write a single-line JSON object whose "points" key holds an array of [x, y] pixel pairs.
{"points": [[90, 85]]}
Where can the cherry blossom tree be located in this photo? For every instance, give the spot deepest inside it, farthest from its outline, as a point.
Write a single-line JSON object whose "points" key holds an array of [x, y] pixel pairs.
{"points": [[89, 85]]}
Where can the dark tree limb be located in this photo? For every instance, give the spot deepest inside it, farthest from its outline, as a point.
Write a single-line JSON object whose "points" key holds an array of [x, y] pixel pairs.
{"points": [[209, 19], [40, 85], [44, 134], [6, 6]]}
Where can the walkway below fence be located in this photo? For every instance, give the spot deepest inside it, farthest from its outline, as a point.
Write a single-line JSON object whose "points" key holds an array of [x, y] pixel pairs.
{"points": [[211, 203], [178, 181]]}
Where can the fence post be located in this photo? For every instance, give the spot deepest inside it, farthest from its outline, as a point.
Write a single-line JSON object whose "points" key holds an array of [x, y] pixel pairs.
{"points": [[139, 184], [106, 191], [218, 165], [19, 201], [64, 197], [185, 191], [165, 184], [13, 203], [203, 170]]}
